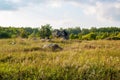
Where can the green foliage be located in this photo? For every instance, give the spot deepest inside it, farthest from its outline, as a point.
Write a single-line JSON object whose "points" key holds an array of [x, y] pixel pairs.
{"points": [[4, 35], [90, 36], [45, 31], [104, 35], [23, 33], [73, 36], [80, 36], [93, 29], [85, 31], [13, 36], [75, 30], [33, 35], [13, 32], [118, 35]]}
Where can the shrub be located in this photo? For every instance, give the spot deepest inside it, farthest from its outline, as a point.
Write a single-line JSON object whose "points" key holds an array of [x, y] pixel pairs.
{"points": [[4, 35], [90, 36], [73, 36]]}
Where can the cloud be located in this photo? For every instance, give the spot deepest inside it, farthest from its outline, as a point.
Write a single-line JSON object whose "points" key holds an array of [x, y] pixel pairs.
{"points": [[59, 12], [104, 10], [110, 12], [16, 4], [55, 4]]}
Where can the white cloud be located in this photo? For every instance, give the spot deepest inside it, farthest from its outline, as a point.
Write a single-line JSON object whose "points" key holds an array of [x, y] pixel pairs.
{"points": [[62, 13], [89, 10], [14, 1], [55, 4], [103, 10], [108, 12]]}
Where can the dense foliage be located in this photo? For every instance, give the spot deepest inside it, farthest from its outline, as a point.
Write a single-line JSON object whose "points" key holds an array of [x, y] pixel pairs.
{"points": [[45, 31]]}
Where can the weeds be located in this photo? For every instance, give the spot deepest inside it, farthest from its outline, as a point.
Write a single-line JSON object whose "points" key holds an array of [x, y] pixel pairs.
{"points": [[86, 60]]}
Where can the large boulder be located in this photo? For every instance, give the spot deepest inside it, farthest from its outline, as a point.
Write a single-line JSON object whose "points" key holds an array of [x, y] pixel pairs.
{"points": [[52, 46], [63, 34], [56, 33]]}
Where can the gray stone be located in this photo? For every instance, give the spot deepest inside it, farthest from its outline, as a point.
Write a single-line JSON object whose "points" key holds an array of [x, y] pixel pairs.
{"points": [[63, 34], [52, 47]]}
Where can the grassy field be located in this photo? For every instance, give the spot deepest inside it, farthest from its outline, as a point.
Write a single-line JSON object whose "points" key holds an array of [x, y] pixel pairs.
{"points": [[23, 59]]}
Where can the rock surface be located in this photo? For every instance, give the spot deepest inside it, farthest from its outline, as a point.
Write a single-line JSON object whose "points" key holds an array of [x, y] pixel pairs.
{"points": [[52, 47]]}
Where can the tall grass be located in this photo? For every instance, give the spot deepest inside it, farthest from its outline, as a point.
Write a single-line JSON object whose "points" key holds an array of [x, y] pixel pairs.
{"points": [[86, 60]]}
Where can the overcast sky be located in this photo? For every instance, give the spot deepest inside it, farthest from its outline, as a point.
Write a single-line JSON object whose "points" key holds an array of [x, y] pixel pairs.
{"points": [[60, 13]]}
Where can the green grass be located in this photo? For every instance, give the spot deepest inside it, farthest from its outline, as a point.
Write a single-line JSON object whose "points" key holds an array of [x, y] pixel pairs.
{"points": [[79, 60]]}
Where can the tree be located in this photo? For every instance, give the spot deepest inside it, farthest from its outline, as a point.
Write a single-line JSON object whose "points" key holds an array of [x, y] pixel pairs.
{"points": [[75, 30], [33, 35], [45, 31], [85, 31], [23, 33], [93, 29]]}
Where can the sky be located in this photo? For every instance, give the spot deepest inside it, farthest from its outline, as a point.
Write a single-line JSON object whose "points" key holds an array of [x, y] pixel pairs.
{"points": [[60, 13]]}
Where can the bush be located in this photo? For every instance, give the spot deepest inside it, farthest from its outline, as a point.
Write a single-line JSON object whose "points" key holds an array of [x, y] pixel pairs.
{"points": [[73, 36], [118, 35], [4, 35], [90, 36]]}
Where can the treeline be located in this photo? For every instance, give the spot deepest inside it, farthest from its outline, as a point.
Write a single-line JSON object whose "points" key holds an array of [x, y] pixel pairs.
{"points": [[13, 32], [94, 33], [74, 33]]}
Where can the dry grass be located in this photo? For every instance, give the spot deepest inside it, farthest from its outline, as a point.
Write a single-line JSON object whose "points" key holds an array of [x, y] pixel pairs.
{"points": [[79, 60]]}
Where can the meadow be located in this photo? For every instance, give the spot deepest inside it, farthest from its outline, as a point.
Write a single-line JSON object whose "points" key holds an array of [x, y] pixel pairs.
{"points": [[24, 59]]}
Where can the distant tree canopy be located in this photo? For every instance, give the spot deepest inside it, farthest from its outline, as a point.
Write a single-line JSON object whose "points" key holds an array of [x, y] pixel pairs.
{"points": [[75, 30], [45, 31]]}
